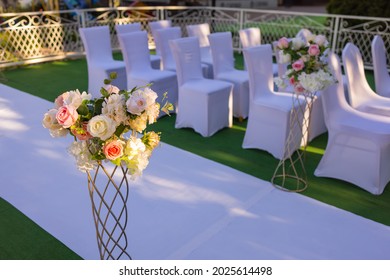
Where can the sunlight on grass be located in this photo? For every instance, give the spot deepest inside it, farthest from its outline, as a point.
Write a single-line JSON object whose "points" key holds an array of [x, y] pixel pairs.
{"points": [[315, 150]]}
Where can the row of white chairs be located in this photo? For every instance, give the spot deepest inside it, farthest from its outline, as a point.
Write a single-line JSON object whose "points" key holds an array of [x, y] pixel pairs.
{"points": [[206, 105]]}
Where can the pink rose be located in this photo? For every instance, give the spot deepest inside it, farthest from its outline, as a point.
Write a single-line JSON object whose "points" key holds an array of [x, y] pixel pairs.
{"points": [[67, 116], [314, 50], [113, 149], [298, 88], [282, 43], [292, 80], [298, 65]]}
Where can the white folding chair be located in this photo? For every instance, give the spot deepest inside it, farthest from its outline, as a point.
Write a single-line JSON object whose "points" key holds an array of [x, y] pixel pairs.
{"points": [[202, 31], [379, 60], [100, 61], [361, 96], [155, 60], [269, 111], [358, 148], [221, 44], [204, 104], [139, 70]]}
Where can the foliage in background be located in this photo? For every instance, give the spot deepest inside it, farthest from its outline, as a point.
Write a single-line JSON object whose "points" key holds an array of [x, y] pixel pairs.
{"points": [[371, 8]]}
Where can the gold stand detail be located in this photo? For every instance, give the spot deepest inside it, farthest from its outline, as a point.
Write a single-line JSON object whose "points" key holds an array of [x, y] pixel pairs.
{"points": [[109, 191], [290, 174]]}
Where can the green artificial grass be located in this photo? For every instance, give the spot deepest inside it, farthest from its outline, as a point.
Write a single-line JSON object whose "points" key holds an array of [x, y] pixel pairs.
{"points": [[48, 80], [22, 239]]}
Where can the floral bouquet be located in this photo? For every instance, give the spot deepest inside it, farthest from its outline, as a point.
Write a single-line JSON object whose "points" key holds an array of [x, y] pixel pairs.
{"points": [[307, 70], [99, 126]]}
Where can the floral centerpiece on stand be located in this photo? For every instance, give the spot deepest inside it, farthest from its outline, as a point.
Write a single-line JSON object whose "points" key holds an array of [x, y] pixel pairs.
{"points": [[307, 73], [307, 70], [109, 130]]}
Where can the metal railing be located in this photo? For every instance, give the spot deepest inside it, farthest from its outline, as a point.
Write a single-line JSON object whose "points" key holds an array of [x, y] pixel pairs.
{"points": [[41, 36]]}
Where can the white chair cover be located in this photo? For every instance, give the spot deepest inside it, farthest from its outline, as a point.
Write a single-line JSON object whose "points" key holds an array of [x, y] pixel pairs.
{"points": [[358, 148], [156, 25], [155, 60], [126, 28], [269, 111], [139, 70], [163, 36], [204, 104], [202, 31], [379, 60], [361, 96], [100, 62], [221, 44], [251, 37]]}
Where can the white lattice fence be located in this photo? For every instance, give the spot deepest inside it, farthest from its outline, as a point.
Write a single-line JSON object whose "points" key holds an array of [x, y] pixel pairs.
{"points": [[34, 37]]}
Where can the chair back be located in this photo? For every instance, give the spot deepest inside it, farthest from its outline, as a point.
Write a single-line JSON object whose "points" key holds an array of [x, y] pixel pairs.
{"points": [[259, 64], [97, 43], [333, 97], [136, 55], [201, 31], [164, 36], [186, 53], [156, 25], [379, 60], [358, 88], [127, 28], [250, 37], [221, 44]]}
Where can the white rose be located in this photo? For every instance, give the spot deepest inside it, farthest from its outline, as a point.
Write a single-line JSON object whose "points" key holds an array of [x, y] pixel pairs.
{"points": [[297, 43], [136, 103], [50, 120], [284, 58], [72, 98], [112, 89], [101, 126], [321, 40], [86, 96], [150, 96]]}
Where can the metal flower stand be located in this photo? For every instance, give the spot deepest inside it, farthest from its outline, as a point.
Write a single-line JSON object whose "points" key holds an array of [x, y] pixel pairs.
{"points": [[109, 190], [290, 174]]}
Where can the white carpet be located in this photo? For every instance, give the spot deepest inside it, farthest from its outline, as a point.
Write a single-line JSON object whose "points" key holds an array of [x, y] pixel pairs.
{"points": [[184, 206]]}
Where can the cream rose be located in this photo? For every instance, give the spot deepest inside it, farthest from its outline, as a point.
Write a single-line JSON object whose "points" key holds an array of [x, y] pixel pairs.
{"points": [[101, 126]]}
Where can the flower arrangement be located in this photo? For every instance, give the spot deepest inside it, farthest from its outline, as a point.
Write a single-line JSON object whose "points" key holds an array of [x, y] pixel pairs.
{"points": [[307, 70], [110, 128]]}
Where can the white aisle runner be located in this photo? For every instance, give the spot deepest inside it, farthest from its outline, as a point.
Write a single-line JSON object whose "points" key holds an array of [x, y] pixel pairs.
{"points": [[184, 206]]}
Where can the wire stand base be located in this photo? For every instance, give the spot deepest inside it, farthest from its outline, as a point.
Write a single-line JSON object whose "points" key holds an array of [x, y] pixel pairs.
{"points": [[290, 174], [109, 192]]}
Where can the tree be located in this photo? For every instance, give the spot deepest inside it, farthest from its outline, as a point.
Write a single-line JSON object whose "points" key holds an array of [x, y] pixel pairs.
{"points": [[371, 8]]}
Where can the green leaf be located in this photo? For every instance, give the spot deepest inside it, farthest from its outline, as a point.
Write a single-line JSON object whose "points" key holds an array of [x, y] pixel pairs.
{"points": [[98, 106], [104, 92], [119, 130], [107, 81], [113, 75], [83, 110]]}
